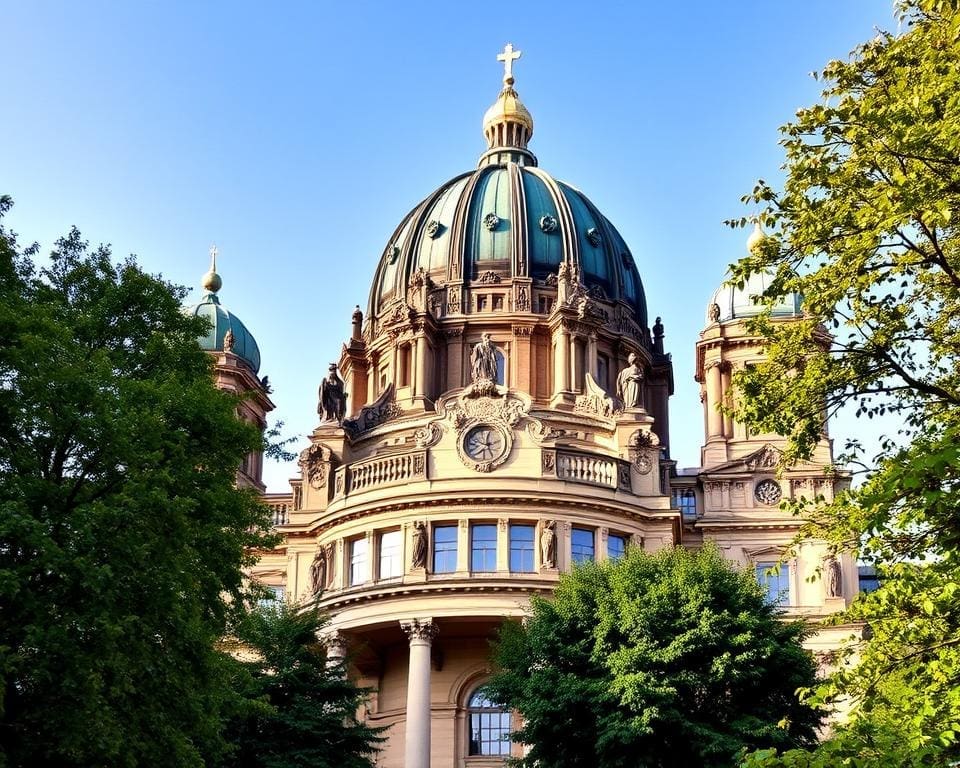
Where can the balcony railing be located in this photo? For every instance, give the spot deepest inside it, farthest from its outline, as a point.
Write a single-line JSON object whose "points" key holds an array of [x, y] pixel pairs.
{"points": [[381, 471], [589, 469]]}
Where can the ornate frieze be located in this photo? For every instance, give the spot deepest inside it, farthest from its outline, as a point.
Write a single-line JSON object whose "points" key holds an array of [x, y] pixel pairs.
{"points": [[488, 278]]}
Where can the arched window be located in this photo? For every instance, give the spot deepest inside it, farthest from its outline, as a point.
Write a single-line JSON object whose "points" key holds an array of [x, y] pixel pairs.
{"points": [[489, 726]]}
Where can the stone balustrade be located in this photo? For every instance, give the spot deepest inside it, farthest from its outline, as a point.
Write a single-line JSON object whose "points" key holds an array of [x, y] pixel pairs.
{"points": [[603, 471], [381, 471]]}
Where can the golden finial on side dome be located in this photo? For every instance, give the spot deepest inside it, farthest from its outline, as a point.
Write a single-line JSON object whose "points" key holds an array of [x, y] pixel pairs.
{"points": [[211, 280], [755, 241]]}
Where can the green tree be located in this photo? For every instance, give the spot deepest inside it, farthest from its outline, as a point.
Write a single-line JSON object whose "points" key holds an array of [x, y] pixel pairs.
{"points": [[865, 230], [304, 707], [654, 661], [121, 532]]}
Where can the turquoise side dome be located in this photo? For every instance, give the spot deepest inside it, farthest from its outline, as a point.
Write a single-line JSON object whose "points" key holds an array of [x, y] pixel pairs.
{"points": [[221, 322]]}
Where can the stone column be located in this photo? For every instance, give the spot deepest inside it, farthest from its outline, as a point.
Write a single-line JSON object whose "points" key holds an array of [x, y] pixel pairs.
{"points": [[421, 633], [562, 364], [420, 385], [575, 382], [725, 381], [714, 417]]}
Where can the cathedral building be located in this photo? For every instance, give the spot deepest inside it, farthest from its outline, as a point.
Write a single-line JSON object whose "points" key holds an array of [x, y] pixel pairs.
{"points": [[498, 414]]}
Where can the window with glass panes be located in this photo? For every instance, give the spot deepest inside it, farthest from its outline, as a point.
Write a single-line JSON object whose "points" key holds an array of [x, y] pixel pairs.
{"points": [[483, 547], [358, 561], [616, 546], [775, 582], [390, 555], [444, 548], [489, 726], [521, 548], [686, 500], [581, 545]]}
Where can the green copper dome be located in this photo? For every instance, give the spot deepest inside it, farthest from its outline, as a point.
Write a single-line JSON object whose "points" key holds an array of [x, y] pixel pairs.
{"points": [[222, 322], [731, 303], [511, 219]]}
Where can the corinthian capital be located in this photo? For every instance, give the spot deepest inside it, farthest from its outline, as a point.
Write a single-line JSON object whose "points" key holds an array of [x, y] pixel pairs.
{"points": [[420, 629]]}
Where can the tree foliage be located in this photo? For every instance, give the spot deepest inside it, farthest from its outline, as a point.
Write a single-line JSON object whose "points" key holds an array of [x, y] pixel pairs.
{"points": [[672, 659], [121, 532], [303, 708], [865, 229]]}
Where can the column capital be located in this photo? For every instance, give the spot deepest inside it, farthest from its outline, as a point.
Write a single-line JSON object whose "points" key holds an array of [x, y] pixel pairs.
{"points": [[420, 629]]}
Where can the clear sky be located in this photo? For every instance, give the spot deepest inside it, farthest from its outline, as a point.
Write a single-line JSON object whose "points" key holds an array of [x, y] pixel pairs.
{"points": [[295, 136]]}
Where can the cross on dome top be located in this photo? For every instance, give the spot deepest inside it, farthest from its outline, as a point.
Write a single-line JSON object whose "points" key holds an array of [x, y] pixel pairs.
{"points": [[508, 57]]}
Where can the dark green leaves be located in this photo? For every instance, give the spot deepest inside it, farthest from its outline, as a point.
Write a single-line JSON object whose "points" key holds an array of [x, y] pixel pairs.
{"points": [[665, 660]]}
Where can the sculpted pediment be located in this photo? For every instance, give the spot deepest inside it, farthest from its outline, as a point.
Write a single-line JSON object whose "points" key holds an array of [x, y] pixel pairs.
{"points": [[765, 458]]}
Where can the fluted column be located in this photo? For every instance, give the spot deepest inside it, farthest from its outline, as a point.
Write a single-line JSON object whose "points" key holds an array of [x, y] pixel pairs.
{"points": [[421, 633], [714, 389]]}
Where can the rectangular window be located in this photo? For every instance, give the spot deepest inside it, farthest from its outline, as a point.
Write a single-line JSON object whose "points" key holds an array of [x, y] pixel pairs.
{"points": [[483, 548], [775, 582], [390, 555], [497, 302], [358, 561], [603, 371], [521, 548], [581, 545], [272, 599], [686, 500], [403, 378], [444, 548], [481, 303], [616, 546]]}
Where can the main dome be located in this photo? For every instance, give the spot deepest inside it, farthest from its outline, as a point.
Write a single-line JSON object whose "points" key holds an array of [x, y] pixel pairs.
{"points": [[508, 219], [505, 220]]}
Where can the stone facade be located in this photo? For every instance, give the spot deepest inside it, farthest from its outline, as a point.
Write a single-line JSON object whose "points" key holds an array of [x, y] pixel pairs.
{"points": [[453, 490]]}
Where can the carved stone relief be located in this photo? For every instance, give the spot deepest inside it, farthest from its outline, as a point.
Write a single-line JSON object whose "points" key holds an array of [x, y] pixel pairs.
{"points": [[313, 462], [373, 415], [594, 400]]}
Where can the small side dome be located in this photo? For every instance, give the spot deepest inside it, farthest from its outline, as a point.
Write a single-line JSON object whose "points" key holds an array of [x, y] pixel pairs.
{"points": [[732, 303], [226, 333]]}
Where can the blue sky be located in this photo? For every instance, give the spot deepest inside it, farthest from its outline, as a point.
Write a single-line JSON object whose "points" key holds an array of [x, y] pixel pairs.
{"points": [[295, 136]]}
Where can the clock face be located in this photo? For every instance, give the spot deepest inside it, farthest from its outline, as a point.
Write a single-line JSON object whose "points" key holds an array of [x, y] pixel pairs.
{"points": [[483, 444]]}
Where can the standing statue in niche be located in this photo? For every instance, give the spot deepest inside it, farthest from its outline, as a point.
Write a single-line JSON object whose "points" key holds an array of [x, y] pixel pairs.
{"points": [[483, 360], [834, 578], [630, 383], [419, 558], [333, 400], [548, 545], [318, 572]]}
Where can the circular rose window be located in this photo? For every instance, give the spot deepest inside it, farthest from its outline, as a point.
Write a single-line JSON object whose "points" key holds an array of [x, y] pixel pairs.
{"points": [[768, 492]]}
